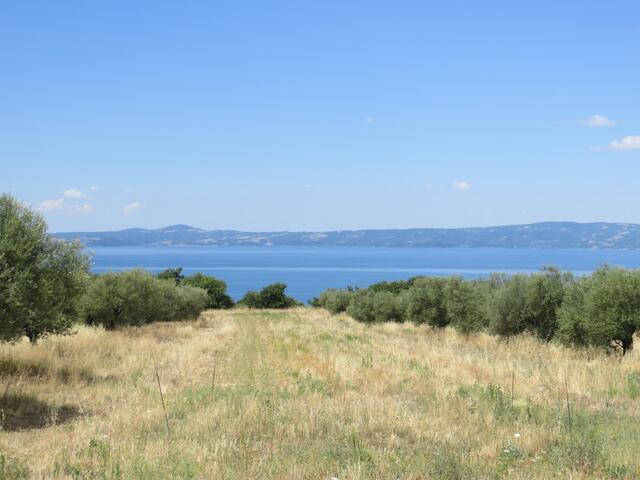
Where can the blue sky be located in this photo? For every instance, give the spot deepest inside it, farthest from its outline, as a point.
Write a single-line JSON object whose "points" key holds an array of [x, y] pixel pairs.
{"points": [[270, 115]]}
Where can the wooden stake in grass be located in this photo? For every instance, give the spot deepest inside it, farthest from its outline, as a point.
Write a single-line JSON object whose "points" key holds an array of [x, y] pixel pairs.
{"points": [[166, 418], [513, 381], [566, 392], [213, 375]]}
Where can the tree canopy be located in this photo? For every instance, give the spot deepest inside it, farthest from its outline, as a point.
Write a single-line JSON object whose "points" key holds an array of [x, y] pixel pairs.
{"points": [[41, 278]]}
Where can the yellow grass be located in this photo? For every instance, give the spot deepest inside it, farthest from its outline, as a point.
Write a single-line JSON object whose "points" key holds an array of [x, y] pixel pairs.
{"points": [[303, 394]]}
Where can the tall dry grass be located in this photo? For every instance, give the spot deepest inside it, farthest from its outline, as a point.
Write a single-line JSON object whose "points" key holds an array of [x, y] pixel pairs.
{"points": [[302, 394]]}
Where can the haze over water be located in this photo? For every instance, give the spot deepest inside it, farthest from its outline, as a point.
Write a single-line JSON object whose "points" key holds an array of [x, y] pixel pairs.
{"points": [[309, 271]]}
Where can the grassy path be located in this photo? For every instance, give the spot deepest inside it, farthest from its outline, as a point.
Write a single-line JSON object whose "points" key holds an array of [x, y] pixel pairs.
{"points": [[302, 394]]}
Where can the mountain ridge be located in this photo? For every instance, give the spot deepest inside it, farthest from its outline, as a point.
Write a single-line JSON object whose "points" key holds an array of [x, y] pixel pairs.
{"points": [[531, 235]]}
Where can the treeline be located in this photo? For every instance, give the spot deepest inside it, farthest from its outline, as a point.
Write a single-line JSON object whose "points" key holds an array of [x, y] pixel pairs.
{"points": [[46, 287], [271, 296], [136, 297], [599, 310]]}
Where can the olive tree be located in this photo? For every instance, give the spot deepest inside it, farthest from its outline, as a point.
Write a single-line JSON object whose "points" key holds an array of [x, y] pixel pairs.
{"points": [[509, 306], [369, 306], [545, 294], [336, 301], [174, 274], [41, 278], [464, 305], [271, 296], [425, 302], [602, 310], [135, 297], [216, 289]]}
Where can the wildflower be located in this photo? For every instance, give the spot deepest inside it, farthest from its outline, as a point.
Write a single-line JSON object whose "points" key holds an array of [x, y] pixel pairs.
{"points": [[517, 435]]}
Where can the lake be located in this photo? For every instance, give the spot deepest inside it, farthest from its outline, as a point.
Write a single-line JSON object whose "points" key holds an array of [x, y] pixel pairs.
{"points": [[309, 270]]}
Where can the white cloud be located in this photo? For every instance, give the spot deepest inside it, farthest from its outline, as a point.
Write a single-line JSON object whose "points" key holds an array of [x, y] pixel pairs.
{"points": [[132, 207], [630, 142], [51, 205], [461, 185], [73, 193], [599, 121], [369, 120], [60, 205], [84, 208]]}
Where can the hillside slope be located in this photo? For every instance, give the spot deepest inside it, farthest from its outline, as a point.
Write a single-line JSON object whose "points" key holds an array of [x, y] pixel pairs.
{"points": [[535, 235]]}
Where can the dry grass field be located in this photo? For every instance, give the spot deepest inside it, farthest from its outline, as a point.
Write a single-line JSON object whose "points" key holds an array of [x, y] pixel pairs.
{"points": [[302, 394]]}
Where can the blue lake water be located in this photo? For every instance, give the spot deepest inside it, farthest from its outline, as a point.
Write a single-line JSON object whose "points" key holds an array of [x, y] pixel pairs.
{"points": [[309, 271]]}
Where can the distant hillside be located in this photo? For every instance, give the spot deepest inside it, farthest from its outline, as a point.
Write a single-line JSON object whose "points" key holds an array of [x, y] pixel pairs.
{"points": [[535, 235]]}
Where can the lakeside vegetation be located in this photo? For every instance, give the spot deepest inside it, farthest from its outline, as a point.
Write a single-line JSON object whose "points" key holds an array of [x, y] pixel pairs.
{"points": [[599, 310], [134, 375], [46, 287]]}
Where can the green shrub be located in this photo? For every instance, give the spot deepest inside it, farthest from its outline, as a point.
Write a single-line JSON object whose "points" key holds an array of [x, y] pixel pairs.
{"points": [[182, 302], [529, 302], [336, 301], [173, 274], [41, 279], [120, 299], [135, 297], [464, 305], [361, 306], [388, 307], [545, 294], [216, 290], [508, 307], [425, 302], [572, 330], [370, 307], [602, 310], [440, 302], [271, 296], [394, 287]]}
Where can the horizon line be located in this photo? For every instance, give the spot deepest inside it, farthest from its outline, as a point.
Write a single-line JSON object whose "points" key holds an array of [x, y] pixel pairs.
{"points": [[352, 229]]}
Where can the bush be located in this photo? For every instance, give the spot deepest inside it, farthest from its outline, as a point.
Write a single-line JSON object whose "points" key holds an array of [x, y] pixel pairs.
{"points": [[271, 296], [336, 301], [370, 307], [508, 307], [544, 297], [136, 297], [464, 306], [529, 302], [173, 274], [571, 330], [182, 302], [395, 287], [41, 279], [216, 289], [602, 310], [426, 302], [440, 302]]}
